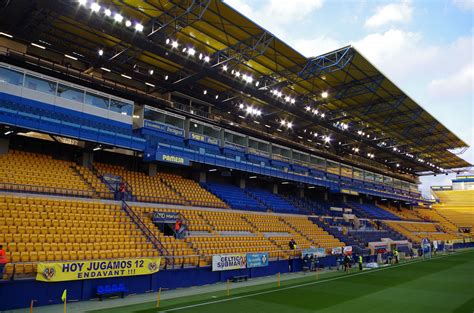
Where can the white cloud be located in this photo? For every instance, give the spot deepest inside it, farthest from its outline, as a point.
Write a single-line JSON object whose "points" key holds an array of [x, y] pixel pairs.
{"points": [[393, 12], [467, 5], [457, 84], [397, 53], [316, 46], [410, 62], [275, 15]]}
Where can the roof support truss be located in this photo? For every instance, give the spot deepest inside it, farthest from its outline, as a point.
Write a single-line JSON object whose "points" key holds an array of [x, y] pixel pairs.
{"points": [[175, 18], [359, 87], [327, 63]]}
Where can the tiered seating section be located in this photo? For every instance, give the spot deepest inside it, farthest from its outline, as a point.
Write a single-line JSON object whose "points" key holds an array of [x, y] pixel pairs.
{"points": [[371, 211], [40, 229], [311, 206], [457, 206], [235, 197], [164, 188], [318, 236], [177, 250], [38, 173], [192, 191], [356, 237], [404, 214], [272, 201], [144, 187], [417, 231], [434, 216], [100, 189], [218, 232]]}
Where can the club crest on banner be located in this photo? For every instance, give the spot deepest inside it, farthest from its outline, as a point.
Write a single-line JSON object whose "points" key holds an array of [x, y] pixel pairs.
{"points": [[49, 273]]}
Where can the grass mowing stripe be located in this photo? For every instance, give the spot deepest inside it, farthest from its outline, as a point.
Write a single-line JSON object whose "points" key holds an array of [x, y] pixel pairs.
{"points": [[305, 284]]}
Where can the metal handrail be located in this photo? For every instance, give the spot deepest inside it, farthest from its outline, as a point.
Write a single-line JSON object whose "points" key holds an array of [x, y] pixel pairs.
{"points": [[159, 199], [146, 231], [115, 188], [101, 177], [79, 193]]}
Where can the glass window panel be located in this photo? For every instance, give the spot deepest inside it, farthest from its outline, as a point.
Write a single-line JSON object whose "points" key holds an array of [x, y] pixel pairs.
{"points": [[98, 101], [121, 107], [196, 128], [39, 84], [264, 146], [152, 115], [11, 77], [253, 144], [70, 93], [333, 167], [172, 120], [346, 171], [211, 132]]}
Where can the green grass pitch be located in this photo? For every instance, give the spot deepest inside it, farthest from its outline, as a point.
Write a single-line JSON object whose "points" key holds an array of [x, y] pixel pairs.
{"points": [[442, 284]]}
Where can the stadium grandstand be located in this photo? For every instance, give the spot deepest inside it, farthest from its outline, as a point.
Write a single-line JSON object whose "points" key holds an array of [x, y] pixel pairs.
{"points": [[455, 203], [149, 145]]}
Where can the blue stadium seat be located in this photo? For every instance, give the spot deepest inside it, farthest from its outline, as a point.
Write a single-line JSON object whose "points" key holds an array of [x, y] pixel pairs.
{"points": [[108, 290], [235, 197], [273, 201], [371, 211]]}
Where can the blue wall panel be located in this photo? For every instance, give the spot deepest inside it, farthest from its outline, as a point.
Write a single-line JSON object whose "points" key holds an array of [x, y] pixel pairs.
{"points": [[19, 293]]}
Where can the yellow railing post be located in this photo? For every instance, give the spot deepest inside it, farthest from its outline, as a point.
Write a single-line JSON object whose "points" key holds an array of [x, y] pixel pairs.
{"points": [[158, 298], [31, 305]]}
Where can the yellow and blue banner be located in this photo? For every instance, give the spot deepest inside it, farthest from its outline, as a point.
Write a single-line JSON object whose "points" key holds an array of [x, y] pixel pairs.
{"points": [[78, 270], [257, 259]]}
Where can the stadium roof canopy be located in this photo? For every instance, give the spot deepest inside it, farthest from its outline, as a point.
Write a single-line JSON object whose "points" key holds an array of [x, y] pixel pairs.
{"points": [[354, 109]]}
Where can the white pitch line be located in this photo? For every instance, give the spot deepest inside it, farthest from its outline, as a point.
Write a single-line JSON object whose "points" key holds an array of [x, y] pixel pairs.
{"points": [[302, 285]]}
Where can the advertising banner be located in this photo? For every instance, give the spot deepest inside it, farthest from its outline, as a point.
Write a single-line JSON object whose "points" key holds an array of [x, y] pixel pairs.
{"points": [[165, 217], [257, 259], [225, 262], [347, 250], [336, 250], [319, 252], [169, 158], [164, 128], [77, 270]]}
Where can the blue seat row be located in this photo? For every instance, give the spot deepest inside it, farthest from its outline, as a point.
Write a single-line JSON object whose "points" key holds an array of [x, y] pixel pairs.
{"points": [[372, 211], [107, 290], [235, 197], [273, 201]]}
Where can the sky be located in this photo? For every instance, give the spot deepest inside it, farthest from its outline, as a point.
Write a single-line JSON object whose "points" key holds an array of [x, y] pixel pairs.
{"points": [[425, 47]]}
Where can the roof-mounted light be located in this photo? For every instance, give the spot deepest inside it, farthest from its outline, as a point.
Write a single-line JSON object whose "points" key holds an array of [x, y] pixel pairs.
{"points": [[118, 18], [95, 7]]}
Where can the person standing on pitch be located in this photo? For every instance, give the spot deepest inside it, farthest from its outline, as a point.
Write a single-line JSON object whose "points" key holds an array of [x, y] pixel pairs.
{"points": [[360, 262], [347, 261], [395, 255]]}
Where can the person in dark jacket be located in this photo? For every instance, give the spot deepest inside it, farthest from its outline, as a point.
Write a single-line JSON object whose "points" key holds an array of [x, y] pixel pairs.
{"points": [[347, 263]]}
